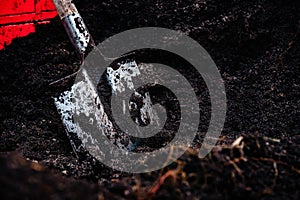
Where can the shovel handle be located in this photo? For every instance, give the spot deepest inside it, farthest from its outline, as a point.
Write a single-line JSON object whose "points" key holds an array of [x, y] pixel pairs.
{"points": [[74, 25]]}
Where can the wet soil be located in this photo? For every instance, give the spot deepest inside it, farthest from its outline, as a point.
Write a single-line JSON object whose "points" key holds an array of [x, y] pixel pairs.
{"points": [[256, 46]]}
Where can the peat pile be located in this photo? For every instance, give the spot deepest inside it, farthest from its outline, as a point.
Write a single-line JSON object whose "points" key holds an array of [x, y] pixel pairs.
{"points": [[256, 47]]}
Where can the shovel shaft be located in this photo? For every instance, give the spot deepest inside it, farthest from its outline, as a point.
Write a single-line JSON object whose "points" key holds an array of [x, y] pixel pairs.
{"points": [[74, 25]]}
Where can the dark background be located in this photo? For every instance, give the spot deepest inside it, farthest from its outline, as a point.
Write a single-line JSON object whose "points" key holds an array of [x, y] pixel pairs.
{"points": [[256, 47]]}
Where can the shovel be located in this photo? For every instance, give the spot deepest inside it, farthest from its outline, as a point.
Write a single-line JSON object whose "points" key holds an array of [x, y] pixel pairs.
{"points": [[82, 42]]}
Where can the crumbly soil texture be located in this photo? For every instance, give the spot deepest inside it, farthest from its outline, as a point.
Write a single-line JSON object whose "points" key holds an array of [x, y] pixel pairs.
{"points": [[256, 47]]}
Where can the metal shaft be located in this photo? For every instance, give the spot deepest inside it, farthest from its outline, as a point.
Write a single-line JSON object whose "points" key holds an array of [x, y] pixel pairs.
{"points": [[74, 25]]}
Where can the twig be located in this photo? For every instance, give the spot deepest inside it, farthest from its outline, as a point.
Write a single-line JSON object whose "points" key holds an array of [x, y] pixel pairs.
{"points": [[275, 174], [282, 56], [171, 173], [277, 162], [64, 78]]}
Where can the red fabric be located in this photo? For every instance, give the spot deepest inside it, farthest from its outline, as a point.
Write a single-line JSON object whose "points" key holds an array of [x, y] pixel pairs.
{"points": [[19, 17]]}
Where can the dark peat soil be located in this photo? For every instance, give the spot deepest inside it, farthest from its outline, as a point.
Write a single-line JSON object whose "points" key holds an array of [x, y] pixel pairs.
{"points": [[256, 46]]}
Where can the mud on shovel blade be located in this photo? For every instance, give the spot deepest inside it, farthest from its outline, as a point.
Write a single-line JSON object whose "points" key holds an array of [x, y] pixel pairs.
{"points": [[83, 101], [74, 26]]}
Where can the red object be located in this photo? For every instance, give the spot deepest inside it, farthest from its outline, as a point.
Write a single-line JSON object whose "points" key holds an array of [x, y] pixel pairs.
{"points": [[19, 17]]}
